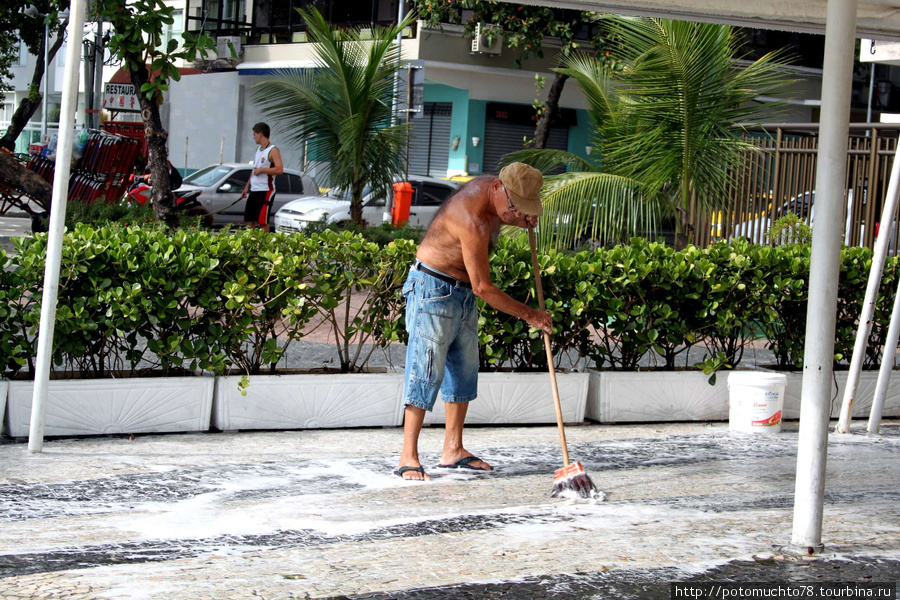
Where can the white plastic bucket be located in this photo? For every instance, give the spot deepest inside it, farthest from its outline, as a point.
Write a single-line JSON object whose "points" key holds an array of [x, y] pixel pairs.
{"points": [[755, 401]]}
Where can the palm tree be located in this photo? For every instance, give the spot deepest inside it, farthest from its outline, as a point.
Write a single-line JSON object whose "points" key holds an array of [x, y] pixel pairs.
{"points": [[591, 199], [667, 125], [344, 107]]}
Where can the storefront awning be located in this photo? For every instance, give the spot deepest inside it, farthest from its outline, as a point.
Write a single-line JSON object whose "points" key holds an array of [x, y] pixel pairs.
{"points": [[272, 66]]}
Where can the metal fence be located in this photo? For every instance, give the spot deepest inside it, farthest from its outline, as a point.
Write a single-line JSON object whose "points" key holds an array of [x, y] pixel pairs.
{"points": [[780, 178]]}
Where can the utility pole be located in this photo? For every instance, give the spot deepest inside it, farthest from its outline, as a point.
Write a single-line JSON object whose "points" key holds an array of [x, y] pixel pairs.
{"points": [[98, 74], [401, 10]]}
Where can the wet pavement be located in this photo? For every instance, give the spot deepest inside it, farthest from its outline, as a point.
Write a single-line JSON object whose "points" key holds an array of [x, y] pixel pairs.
{"points": [[317, 514], [13, 226]]}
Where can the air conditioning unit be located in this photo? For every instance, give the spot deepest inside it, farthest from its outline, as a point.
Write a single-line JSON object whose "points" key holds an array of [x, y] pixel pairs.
{"points": [[224, 44], [480, 43]]}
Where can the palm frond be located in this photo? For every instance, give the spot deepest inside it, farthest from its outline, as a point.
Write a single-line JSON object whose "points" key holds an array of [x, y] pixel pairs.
{"points": [[596, 83], [599, 206]]}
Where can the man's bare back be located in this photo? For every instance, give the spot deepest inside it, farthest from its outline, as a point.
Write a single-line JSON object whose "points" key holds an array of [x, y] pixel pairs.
{"points": [[441, 247]]}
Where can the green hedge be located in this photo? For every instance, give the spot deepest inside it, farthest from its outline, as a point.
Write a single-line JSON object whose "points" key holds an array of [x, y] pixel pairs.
{"points": [[612, 307], [146, 301]]}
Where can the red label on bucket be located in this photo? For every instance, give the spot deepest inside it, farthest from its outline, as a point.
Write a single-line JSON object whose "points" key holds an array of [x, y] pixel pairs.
{"points": [[770, 422]]}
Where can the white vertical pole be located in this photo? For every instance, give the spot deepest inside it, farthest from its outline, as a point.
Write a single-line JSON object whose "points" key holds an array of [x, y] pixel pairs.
{"points": [[185, 155], [887, 364], [868, 308], [57, 225], [222, 151], [815, 409]]}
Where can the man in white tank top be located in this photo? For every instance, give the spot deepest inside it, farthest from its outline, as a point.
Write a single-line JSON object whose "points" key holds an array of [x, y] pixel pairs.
{"points": [[261, 184]]}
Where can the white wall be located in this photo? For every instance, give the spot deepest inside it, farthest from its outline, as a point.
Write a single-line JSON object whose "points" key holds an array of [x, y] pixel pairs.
{"points": [[21, 75], [208, 107], [252, 114], [204, 109]]}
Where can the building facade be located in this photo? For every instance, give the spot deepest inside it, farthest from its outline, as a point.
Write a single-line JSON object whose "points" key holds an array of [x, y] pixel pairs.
{"points": [[478, 103]]}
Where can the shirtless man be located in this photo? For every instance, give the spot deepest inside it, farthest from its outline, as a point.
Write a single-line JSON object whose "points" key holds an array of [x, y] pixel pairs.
{"points": [[441, 316]]}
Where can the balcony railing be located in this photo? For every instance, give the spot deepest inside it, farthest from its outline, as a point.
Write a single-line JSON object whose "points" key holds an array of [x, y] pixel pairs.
{"points": [[278, 22]]}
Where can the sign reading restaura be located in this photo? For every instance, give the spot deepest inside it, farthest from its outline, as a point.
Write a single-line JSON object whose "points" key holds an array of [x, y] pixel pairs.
{"points": [[120, 97]]}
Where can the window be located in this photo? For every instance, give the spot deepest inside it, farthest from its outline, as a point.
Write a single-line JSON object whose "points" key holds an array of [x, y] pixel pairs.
{"points": [[6, 112], [432, 194], [282, 184], [173, 31], [23, 55], [239, 178], [223, 15], [207, 176], [296, 184]]}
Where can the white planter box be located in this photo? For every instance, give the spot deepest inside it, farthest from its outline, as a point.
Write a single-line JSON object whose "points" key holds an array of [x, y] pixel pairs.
{"points": [[309, 401], [104, 406], [862, 404], [4, 386], [521, 398], [647, 396]]}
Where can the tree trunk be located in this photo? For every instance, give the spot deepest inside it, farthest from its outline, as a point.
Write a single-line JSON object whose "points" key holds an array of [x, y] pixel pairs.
{"points": [[30, 103], [35, 186], [551, 107], [158, 155], [684, 228], [356, 204], [684, 215]]}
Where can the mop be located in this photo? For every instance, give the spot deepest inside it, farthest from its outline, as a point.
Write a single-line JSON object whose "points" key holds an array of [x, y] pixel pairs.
{"points": [[571, 478]]}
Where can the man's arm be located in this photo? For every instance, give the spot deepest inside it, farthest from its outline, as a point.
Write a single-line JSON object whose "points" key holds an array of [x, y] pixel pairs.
{"points": [[474, 245]]}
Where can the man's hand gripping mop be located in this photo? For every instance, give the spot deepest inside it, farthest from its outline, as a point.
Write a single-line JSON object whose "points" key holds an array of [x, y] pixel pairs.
{"points": [[571, 478]]}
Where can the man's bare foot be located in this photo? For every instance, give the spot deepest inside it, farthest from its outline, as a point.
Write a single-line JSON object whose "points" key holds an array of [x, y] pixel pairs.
{"points": [[464, 460], [412, 473]]}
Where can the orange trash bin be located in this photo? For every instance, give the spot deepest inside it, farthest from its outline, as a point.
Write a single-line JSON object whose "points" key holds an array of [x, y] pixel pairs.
{"points": [[403, 193]]}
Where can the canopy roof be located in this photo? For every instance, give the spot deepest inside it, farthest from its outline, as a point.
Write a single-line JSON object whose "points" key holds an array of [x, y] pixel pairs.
{"points": [[878, 19]]}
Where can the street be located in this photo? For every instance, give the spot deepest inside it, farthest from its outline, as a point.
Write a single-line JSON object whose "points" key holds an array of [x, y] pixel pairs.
{"points": [[11, 227], [318, 514]]}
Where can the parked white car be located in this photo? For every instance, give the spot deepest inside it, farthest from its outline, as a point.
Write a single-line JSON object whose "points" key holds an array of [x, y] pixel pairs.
{"points": [[221, 186], [802, 205], [756, 229], [429, 194]]}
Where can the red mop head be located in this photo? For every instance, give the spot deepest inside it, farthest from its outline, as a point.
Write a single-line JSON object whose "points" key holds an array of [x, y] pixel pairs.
{"points": [[572, 480]]}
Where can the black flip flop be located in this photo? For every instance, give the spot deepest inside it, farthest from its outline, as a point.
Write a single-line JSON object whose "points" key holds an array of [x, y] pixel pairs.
{"points": [[463, 463], [399, 472]]}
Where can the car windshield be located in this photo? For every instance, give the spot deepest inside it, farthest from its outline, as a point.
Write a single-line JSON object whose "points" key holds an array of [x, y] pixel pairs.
{"points": [[207, 176], [346, 195]]}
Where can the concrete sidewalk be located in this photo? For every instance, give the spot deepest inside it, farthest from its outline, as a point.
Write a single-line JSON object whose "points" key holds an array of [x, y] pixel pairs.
{"points": [[317, 514]]}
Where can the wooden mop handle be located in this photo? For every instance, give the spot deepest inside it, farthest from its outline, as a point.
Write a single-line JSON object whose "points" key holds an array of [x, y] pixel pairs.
{"points": [[553, 385]]}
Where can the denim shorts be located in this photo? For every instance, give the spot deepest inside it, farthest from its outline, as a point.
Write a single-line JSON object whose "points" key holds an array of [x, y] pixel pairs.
{"points": [[442, 352]]}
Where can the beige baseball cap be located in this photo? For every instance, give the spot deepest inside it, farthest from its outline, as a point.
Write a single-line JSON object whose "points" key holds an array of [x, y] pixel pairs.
{"points": [[524, 184]]}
